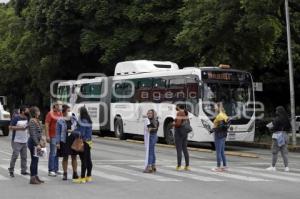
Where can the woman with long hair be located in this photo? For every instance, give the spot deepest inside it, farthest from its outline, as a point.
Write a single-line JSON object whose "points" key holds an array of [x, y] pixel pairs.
{"points": [[34, 144], [63, 142], [280, 126], [220, 134], [150, 139], [181, 138], [85, 132]]}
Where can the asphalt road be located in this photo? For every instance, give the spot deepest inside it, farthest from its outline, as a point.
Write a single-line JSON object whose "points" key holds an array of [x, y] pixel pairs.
{"points": [[118, 173]]}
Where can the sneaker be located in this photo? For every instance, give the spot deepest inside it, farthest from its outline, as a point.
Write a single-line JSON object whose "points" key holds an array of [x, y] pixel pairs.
{"points": [[89, 179], [225, 168], [59, 173], [217, 169], [187, 168], [271, 168], [25, 173], [178, 168], [52, 174], [286, 169], [79, 181]]}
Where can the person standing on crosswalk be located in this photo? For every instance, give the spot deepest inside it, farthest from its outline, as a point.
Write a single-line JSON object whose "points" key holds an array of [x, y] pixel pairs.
{"points": [[220, 134], [150, 139], [63, 144], [50, 129], [19, 125], [85, 130], [280, 126], [34, 144], [181, 138]]}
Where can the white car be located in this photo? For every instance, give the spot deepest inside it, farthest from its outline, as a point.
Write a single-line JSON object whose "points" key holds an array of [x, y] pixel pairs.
{"points": [[298, 124]]}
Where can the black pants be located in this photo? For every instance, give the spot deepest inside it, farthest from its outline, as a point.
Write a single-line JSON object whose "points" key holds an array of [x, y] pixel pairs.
{"points": [[34, 160], [181, 146], [86, 161]]}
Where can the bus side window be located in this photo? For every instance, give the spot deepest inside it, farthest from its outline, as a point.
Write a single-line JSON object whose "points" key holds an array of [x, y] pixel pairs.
{"points": [[117, 92], [128, 91], [145, 90]]}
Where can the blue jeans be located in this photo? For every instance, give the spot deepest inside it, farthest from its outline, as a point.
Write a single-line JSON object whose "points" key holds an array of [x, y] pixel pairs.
{"points": [[34, 160], [220, 151], [152, 142], [53, 158]]}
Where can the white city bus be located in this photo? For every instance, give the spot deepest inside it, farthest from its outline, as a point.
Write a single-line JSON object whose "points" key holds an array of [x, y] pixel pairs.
{"points": [[120, 103]]}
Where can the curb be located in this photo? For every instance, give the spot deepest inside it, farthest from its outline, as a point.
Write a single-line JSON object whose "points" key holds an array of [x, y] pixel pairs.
{"points": [[230, 153]]}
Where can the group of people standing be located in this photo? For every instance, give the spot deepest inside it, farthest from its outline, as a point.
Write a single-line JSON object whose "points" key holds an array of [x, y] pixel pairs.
{"points": [[280, 126], [62, 128]]}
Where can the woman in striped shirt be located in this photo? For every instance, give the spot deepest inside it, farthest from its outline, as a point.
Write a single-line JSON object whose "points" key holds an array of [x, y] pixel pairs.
{"points": [[34, 142]]}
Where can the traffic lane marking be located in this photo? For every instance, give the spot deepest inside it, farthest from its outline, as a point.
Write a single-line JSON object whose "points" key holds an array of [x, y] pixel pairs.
{"points": [[230, 153]]}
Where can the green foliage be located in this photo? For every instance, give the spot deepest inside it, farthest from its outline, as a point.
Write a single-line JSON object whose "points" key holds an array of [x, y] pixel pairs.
{"points": [[41, 41]]}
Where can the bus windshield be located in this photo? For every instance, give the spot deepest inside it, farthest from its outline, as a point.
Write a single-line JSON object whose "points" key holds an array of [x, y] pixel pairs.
{"points": [[237, 99]]}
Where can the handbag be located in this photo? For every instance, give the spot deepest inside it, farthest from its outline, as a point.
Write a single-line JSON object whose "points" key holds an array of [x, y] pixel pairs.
{"points": [[78, 145], [186, 127]]}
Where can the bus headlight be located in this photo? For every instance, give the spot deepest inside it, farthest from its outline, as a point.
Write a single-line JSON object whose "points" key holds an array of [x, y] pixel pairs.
{"points": [[206, 125]]}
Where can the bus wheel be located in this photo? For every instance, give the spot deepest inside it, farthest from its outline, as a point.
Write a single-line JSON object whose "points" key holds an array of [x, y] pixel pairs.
{"points": [[169, 134], [213, 146], [5, 130], [119, 132]]}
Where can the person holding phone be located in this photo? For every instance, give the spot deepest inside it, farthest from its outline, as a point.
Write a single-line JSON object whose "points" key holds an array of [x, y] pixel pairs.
{"points": [[150, 139]]}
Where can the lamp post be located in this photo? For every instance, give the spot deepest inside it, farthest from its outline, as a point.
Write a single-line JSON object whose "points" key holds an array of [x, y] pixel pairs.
{"points": [[291, 71]]}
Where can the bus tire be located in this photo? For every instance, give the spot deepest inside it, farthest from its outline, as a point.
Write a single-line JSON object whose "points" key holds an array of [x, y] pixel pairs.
{"points": [[213, 146], [169, 134], [119, 130], [5, 130]]}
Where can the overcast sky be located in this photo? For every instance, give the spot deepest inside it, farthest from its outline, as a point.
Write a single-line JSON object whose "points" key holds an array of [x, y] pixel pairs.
{"points": [[4, 1]]}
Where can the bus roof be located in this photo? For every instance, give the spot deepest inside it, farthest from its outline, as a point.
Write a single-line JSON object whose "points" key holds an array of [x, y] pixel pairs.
{"points": [[180, 72], [67, 83], [92, 80], [143, 66]]}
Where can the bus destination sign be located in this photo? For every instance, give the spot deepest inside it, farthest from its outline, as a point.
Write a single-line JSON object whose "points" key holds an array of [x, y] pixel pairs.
{"points": [[225, 76]]}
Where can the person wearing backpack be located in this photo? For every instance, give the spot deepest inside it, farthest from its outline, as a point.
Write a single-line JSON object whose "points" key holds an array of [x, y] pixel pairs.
{"points": [[220, 134], [181, 135], [280, 126]]}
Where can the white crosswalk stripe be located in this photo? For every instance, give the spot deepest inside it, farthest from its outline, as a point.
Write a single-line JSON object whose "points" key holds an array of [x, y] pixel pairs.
{"points": [[228, 175], [17, 172], [112, 177], [186, 175], [3, 178], [133, 173], [263, 173], [138, 174]]}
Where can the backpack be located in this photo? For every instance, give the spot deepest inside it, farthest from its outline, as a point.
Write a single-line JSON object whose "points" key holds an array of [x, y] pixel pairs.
{"points": [[224, 126], [221, 131]]}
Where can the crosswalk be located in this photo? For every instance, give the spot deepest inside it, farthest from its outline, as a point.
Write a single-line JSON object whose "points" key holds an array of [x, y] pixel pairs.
{"points": [[133, 174]]}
